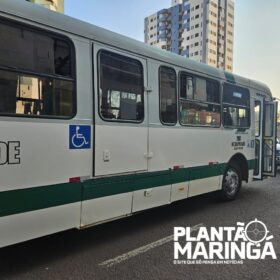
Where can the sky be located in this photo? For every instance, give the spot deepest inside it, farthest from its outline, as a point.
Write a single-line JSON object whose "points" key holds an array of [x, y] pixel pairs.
{"points": [[257, 34]]}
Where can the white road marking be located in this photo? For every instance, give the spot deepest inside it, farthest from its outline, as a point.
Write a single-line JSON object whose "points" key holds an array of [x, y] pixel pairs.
{"points": [[142, 249]]}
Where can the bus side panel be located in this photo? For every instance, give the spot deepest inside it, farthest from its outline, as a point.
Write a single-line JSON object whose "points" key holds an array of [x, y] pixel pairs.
{"points": [[37, 163], [187, 148], [106, 208], [30, 189], [26, 226]]}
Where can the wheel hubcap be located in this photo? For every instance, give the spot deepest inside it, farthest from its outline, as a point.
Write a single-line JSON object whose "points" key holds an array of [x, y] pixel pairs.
{"points": [[231, 182]]}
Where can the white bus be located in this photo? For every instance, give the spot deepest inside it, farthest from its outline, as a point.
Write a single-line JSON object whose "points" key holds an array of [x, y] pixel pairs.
{"points": [[95, 126]]}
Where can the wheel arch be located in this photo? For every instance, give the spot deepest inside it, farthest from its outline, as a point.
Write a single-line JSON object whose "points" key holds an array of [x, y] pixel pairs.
{"points": [[242, 162]]}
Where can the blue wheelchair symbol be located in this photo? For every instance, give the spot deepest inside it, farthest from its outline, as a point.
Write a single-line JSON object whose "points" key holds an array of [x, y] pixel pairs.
{"points": [[79, 137]]}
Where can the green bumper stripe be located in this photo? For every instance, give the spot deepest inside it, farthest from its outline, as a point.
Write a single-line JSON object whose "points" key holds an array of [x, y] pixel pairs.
{"points": [[31, 199], [25, 200], [97, 188]]}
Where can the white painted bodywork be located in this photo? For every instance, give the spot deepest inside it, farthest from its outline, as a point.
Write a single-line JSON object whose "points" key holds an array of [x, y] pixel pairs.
{"points": [[202, 186], [130, 148], [149, 198], [45, 157], [179, 191], [124, 156], [106, 208], [30, 225]]}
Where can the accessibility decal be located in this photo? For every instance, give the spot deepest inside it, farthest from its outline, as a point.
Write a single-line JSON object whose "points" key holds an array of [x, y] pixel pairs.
{"points": [[79, 137]]}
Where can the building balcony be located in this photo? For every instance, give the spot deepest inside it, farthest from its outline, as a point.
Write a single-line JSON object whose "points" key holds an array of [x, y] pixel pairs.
{"points": [[163, 18], [162, 36], [185, 17], [186, 8], [162, 27]]}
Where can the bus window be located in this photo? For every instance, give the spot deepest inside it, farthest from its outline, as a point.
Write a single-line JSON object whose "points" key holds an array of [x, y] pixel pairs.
{"points": [[200, 114], [199, 101], [236, 117], [168, 95], [268, 156], [189, 88], [236, 107], [121, 95], [257, 118], [24, 49], [269, 120], [36, 74], [34, 96]]}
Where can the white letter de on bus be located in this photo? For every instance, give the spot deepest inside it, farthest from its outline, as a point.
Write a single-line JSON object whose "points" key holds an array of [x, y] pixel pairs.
{"points": [[3, 153]]}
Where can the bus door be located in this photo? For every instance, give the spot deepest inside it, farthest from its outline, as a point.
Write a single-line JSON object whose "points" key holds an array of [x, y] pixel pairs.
{"points": [[265, 135], [121, 133]]}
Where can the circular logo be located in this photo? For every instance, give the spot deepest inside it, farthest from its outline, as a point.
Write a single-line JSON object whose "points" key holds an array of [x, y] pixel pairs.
{"points": [[256, 232]]}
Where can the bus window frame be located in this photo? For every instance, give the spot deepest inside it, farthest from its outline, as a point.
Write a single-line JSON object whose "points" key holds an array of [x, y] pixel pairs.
{"points": [[73, 67], [260, 114], [236, 106], [99, 82], [176, 90], [199, 101]]}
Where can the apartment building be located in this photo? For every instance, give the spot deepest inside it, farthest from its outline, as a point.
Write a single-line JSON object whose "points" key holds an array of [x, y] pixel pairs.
{"points": [[54, 5], [202, 30]]}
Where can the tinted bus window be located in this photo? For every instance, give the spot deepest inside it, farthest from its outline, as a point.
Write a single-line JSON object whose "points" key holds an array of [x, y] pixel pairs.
{"points": [[36, 74], [236, 95], [32, 51], [121, 93], [168, 95], [236, 106]]}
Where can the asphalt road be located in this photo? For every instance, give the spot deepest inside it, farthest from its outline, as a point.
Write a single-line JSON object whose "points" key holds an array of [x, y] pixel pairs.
{"points": [[80, 254]]}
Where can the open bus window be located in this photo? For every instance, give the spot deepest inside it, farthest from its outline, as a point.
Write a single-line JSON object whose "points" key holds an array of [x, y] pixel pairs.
{"points": [[199, 114], [121, 92], [35, 96], [199, 101], [198, 88]]}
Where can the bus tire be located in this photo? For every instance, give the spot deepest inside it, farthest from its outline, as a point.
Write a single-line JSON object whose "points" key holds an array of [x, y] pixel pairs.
{"points": [[232, 182]]}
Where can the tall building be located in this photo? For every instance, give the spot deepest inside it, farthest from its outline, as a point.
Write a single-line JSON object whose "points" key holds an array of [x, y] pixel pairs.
{"points": [[199, 29], [54, 5]]}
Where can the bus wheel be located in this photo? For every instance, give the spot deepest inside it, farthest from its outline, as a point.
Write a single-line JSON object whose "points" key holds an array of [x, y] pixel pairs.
{"points": [[232, 182]]}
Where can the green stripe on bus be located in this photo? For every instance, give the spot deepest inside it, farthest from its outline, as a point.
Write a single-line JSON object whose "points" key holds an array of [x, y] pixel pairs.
{"points": [[97, 188], [32, 199]]}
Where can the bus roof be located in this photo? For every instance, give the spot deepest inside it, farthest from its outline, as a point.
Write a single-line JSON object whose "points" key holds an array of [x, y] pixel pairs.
{"points": [[37, 14]]}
